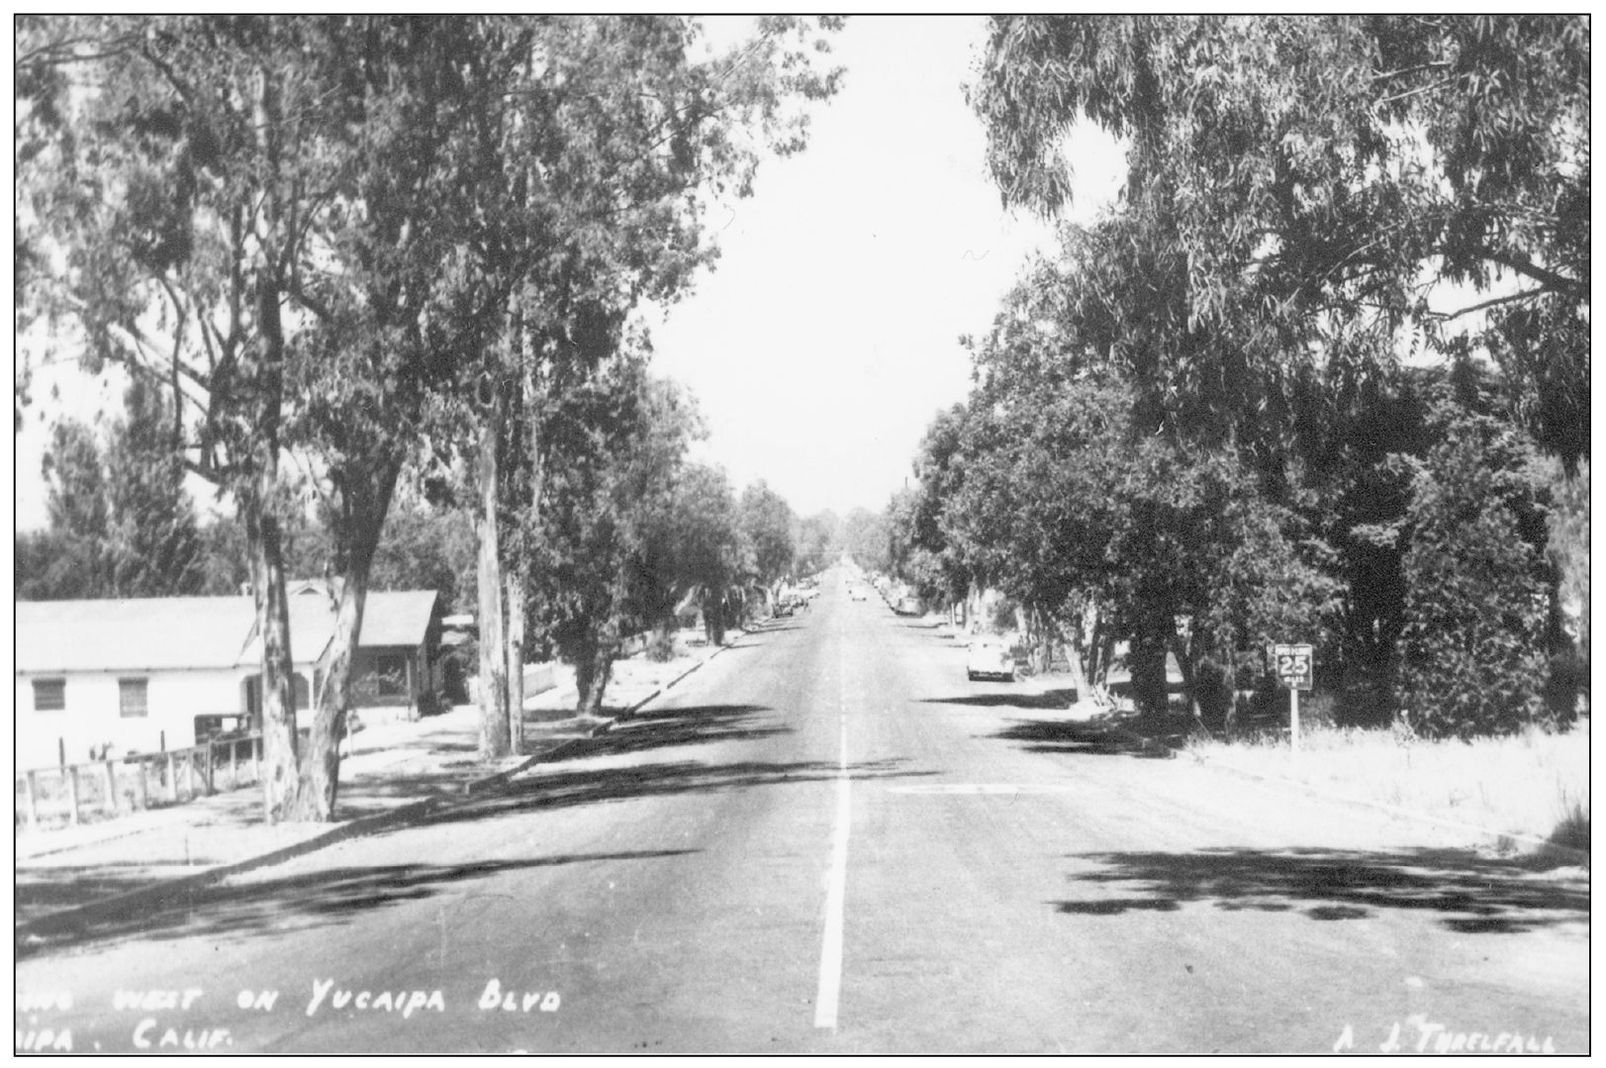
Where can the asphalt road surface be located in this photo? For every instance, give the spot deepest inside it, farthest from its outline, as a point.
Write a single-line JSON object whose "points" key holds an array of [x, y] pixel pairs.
{"points": [[828, 841]]}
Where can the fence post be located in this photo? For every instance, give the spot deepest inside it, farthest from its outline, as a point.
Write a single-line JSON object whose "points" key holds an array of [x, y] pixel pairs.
{"points": [[256, 758], [211, 787], [189, 775], [172, 779], [71, 771], [111, 787], [234, 764], [144, 785], [33, 800]]}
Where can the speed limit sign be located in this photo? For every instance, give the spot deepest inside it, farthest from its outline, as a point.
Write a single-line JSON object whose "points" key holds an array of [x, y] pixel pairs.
{"points": [[1294, 665]]}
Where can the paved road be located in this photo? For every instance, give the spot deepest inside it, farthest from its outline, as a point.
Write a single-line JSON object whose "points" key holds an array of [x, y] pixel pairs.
{"points": [[827, 841]]}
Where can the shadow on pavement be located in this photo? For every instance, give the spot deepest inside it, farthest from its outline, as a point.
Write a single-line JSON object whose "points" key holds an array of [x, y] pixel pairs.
{"points": [[683, 726], [233, 911], [67, 887], [1059, 699], [1081, 737], [1473, 894], [587, 786], [644, 731], [376, 796]]}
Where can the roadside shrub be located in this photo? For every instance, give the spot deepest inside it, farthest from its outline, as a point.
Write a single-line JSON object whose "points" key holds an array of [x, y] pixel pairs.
{"points": [[1573, 829], [1318, 711], [1369, 695], [1473, 646], [1213, 690]]}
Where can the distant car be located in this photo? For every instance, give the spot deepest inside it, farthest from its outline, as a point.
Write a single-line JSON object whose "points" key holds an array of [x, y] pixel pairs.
{"points": [[990, 657], [857, 593]]}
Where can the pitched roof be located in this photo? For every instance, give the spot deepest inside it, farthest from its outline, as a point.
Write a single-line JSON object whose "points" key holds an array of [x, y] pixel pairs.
{"points": [[389, 618], [397, 617], [143, 634], [178, 633]]}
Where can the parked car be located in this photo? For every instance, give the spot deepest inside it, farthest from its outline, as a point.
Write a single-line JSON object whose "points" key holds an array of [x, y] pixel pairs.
{"points": [[990, 657], [857, 593]]}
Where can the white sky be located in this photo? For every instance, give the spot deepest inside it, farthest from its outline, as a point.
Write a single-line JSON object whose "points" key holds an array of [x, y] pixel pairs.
{"points": [[827, 339]]}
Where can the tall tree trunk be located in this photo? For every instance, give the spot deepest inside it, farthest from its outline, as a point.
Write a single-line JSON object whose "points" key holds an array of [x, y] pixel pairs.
{"points": [[264, 371], [320, 769], [276, 707], [515, 659], [358, 526], [1148, 660], [1093, 630], [1183, 651], [714, 618], [1076, 656], [1046, 644], [494, 739], [594, 668], [518, 579]]}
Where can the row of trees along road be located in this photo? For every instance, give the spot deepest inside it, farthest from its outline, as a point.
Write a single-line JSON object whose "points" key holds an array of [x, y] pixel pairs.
{"points": [[373, 243], [1320, 374]]}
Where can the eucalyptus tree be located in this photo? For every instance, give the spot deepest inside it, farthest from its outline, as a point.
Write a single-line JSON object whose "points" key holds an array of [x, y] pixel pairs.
{"points": [[121, 522], [1309, 200], [308, 227], [765, 521], [1313, 182], [189, 169], [706, 542], [627, 133], [603, 556], [816, 538], [922, 553]]}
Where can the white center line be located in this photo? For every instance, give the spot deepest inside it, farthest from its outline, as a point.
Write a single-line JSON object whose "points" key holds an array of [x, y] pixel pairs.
{"points": [[825, 1002]]}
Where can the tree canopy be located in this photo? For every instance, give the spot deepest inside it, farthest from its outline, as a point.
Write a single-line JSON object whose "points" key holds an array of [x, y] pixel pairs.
{"points": [[329, 236], [1205, 419], [1313, 184]]}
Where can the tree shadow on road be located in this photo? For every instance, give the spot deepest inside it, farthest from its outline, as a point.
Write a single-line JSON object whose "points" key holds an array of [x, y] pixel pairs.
{"points": [[565, 788], [683, 726], [1084, 737], [645, 731], [1025, 700], [231, 911], [1471, 894]]}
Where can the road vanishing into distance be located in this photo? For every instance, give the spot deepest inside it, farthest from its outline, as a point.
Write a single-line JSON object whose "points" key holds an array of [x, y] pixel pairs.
{"points": [[827, 841]]}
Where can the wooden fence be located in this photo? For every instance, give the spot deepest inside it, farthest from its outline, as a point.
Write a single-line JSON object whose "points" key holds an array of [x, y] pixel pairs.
{"points": [[71, 792]]}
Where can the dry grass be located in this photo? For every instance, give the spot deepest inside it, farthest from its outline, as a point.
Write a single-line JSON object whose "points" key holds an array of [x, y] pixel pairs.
{"points": [[1534, 784]]}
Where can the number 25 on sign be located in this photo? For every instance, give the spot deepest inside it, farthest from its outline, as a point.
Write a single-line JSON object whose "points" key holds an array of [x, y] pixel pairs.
{"points": [[1295, 666]]}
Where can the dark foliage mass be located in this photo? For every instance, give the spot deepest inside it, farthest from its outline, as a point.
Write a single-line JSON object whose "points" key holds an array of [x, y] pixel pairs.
{"points": [[1320, 375]]}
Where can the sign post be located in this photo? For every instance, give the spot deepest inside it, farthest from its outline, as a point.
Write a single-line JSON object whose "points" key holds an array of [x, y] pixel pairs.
{"points": [[1295, 666]]}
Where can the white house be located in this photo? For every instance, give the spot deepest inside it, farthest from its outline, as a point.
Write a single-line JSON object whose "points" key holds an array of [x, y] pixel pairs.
{"points": [[153, 673]]}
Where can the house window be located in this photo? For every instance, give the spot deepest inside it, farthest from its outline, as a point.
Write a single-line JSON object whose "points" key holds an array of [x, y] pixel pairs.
{"points": [[49, 695], [131, 697]]}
